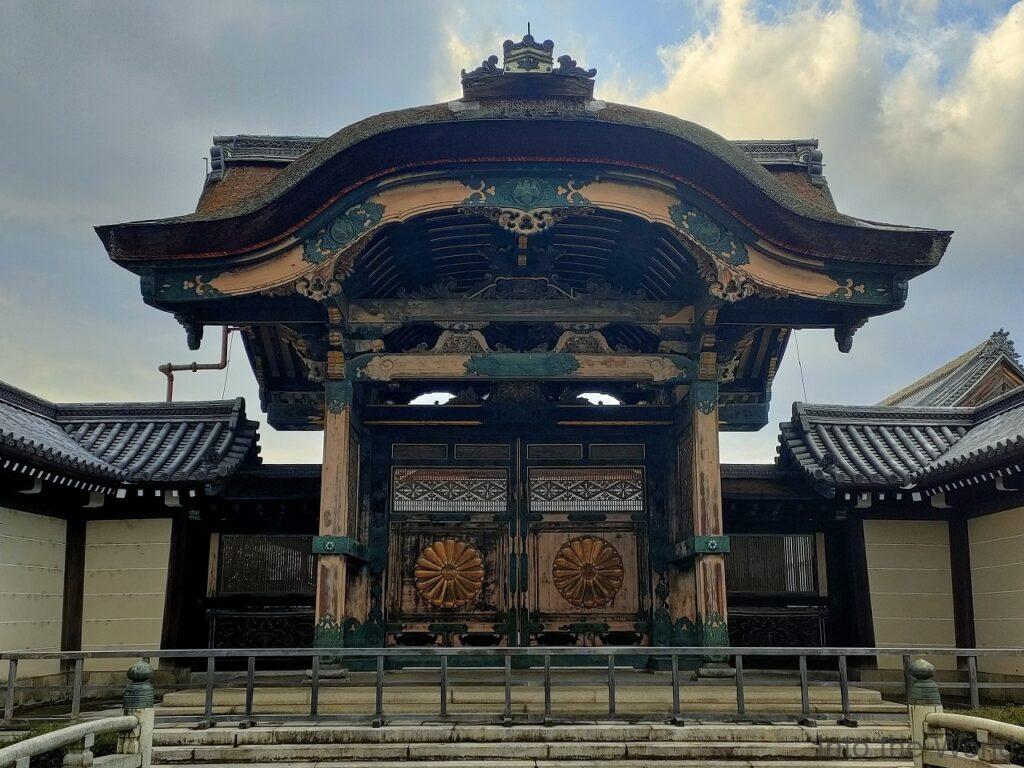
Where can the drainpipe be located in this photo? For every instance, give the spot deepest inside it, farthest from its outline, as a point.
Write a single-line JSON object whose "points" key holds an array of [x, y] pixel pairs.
{"points": [[168, 369]]}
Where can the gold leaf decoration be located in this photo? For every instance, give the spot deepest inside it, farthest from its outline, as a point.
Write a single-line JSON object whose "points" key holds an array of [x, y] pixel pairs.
{"points": [[449, 573], [587, 571]]}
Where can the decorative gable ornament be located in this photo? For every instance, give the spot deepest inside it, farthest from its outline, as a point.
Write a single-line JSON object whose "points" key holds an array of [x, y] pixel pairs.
{"points": [[528, 71], [528, 55]]}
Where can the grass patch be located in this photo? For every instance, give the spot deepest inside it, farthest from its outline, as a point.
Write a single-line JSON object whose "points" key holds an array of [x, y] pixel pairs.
{"points": [[963, 741]]}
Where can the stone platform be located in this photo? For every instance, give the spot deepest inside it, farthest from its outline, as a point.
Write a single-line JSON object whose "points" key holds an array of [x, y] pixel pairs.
{"points": [[575, 693]]}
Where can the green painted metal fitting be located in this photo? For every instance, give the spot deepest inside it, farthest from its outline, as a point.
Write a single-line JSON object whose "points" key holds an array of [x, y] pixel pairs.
{"points": [[138, 694], [924, 691], [340, 545], [699, 545], [711, 545]]}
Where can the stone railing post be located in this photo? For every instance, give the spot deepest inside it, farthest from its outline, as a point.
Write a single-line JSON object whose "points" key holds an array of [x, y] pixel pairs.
{"points": [[923, 700], [138, 701], [991, 749], [79, 754]]}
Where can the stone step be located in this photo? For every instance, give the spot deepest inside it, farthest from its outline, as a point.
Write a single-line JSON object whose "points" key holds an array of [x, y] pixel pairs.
{"points": [[229, 736], [514, 763], [556, 751]]}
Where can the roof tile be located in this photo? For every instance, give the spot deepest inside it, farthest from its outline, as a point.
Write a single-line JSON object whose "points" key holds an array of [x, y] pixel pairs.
{"points": [[126, 443]]}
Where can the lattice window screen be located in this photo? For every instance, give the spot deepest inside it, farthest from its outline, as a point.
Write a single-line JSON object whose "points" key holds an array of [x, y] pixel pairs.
{"points": [[266, 564], [450, 490], [771, 564], [587, 489]]}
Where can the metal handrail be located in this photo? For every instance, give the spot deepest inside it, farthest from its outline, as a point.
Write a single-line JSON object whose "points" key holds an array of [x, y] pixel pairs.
{"points": [[533, 650], [504, 657], [64, 737]]}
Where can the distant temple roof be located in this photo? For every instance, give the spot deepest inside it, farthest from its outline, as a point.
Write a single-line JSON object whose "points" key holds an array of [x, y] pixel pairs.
{"points": [[963, 419], [953, 383], [112, 444]]}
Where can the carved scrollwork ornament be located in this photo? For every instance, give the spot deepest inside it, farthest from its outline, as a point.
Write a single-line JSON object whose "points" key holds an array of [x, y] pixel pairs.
{"points": [[452, 342], [526, 223], [317, 287], [728, 284]]}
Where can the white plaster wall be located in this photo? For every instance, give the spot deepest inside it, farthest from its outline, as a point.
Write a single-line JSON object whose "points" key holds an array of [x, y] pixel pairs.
{"points": [[125, 586], [911, 585], [31, 587], [997, 580]]}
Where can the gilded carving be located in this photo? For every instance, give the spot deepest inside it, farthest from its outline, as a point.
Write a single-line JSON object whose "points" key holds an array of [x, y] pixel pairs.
{"points": [[847, 288], [728, 284], [526, 205], [527, 222], [590, 342], [449, 573], [588, 571], [317, 287], [468, 342], [200, 286]]}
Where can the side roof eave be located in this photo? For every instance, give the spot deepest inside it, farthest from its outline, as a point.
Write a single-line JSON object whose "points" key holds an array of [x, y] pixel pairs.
{"points": [[115, 444], [423, 136], [873, 447]]}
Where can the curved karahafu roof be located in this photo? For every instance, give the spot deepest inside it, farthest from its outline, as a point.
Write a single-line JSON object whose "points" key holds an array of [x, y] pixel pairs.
{"points": [[601, 133], [118, 444], [546, 115], [600, 202]]}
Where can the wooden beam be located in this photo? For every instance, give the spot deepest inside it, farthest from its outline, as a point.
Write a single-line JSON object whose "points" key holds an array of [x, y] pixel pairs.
{"points": [[374, 313], [546, 366]]}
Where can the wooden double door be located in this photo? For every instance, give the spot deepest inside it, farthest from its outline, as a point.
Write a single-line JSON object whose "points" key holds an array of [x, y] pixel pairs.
{"points": [[517, 542]]}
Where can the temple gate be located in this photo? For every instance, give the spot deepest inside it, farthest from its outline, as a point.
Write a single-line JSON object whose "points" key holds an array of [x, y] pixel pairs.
{"points": [[522, 249]]}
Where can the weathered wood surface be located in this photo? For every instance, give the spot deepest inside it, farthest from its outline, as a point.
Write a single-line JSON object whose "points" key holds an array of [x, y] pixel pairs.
{"points": [[334, 521]]}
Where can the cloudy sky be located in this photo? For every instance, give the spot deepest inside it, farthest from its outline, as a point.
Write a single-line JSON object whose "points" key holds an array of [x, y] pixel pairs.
{"points": [[107, 110]]}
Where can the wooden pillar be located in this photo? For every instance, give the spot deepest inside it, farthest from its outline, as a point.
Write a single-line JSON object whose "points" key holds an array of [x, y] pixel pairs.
{"points": [[709, 567], [963, 588], [709, 545], [74, 585], [332, 576], [697, 593]]}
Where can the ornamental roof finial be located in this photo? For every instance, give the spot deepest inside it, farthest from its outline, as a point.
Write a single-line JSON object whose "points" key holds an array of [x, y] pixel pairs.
{"points": [[530, 64]]}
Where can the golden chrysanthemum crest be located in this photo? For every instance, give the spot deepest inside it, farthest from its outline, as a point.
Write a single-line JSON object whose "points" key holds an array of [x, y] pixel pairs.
{"points": [[588, 571], [449, 573]]}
